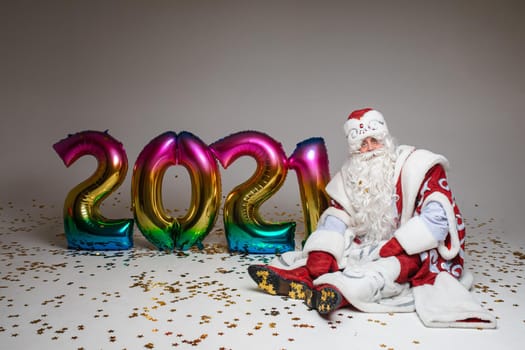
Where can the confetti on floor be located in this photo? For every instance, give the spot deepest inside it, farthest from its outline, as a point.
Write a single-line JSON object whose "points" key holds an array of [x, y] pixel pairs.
{"points": [[55, 298]]}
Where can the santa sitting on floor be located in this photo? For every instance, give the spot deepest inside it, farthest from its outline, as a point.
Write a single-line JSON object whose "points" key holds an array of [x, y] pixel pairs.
{"points": [[393, 239]]}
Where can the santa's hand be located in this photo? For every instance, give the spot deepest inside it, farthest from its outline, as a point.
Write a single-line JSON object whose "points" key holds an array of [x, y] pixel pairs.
{"points": [[391, 248], [319, 263]]}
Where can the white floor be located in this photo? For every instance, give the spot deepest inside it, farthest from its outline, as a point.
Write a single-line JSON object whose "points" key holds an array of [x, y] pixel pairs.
{"points": [[54, 298]]}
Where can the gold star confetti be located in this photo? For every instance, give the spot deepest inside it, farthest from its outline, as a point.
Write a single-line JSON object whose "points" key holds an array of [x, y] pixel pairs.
{"points": [[196, 297]]}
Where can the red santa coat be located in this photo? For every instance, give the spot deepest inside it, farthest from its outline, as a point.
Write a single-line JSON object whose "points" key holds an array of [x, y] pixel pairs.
{"points": [[420, 178], [434, 256]]}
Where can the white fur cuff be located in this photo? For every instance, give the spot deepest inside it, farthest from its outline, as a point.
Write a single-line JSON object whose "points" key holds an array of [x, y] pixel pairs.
{"points": [[415, 237], [327, 241], [338, 213]]}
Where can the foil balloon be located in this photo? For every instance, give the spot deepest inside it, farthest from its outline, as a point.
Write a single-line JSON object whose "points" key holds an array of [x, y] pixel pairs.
{"points": [[161, 229], [146, 191], [85, 227], [310, 162], [204, 173], [246, 230]]}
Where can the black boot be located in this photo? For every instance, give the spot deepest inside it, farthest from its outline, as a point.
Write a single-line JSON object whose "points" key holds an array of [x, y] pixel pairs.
{"points": [[325, 299], [292, 283]]}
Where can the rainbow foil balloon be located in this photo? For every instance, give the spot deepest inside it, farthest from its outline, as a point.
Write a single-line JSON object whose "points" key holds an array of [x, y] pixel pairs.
{"points": [[85, 226], [310, 162], [161, 229], [246, 230]]}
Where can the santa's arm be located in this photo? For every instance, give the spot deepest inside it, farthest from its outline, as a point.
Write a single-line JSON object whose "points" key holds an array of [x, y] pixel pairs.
{"points": [[424, 231], [330, 232], [420, 233]]}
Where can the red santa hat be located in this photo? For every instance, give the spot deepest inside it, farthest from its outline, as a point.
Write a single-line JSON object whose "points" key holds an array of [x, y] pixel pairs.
{"points": [[364, 123]]}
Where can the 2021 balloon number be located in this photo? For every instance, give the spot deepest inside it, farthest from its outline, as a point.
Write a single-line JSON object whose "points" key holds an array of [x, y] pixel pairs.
{"points": [[246, 231]]}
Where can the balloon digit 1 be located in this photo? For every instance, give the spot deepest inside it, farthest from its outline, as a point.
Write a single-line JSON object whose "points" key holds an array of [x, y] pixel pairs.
{"points": [[245, 230], [84, 225], [310, 162], [197, 158]]}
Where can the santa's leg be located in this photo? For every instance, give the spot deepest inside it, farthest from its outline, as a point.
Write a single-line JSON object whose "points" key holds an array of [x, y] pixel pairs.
{"points": [[365, 284], [292, 283]]}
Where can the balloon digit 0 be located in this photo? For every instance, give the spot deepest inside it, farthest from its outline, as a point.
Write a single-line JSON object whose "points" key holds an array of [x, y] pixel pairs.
{"points": [[146, 190], [164, 231], [197, 158], [86, 228], [245, 229]]}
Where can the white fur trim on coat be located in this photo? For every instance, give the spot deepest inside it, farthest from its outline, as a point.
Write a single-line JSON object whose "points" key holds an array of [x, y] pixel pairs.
{"points": [[447, 303], [338, 213], [413, 173], [336, 190], [415, 237], [402, 153]]}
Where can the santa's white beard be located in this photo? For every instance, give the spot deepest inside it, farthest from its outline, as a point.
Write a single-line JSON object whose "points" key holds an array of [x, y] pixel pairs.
{"points": [[369, 180]]}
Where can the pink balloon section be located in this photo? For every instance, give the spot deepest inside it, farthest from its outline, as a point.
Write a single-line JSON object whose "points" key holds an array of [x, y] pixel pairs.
{"points": [[246, 230]]}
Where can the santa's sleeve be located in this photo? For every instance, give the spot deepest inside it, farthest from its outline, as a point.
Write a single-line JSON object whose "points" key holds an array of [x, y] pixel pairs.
{"points": [[431, 224], [331, 232]]}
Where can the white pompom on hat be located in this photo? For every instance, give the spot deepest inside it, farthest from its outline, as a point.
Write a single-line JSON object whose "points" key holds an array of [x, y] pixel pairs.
{"points": [[363, 123]]}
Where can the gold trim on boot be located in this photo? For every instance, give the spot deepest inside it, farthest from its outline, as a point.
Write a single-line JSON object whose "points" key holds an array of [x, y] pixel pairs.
{"points": [[269, 281], [324, 299]]}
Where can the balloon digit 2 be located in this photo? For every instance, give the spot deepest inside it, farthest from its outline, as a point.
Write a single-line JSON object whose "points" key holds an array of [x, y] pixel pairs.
{"points": [[246, 230], [85, 227]]}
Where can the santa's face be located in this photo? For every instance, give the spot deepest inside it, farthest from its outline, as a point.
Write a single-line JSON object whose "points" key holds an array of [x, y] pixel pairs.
{"points": [[370, 144]]}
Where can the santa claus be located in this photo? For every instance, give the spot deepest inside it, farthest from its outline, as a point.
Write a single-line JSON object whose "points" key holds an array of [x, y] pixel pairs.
{"points": [[392, 241]]}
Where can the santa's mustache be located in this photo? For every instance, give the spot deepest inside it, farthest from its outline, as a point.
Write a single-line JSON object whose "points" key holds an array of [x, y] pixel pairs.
{"points": [[370, 154]]}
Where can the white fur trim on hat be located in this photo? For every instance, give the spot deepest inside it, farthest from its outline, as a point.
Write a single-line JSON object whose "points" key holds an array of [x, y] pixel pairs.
{"points": [[364, 123]]}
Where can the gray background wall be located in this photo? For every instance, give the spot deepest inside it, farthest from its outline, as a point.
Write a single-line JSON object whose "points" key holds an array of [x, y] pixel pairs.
{"points": [[448, 76]]}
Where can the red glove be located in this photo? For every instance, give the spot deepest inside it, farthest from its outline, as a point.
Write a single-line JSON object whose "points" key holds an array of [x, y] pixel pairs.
{"points": [[391, 248], [320, 262]]}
